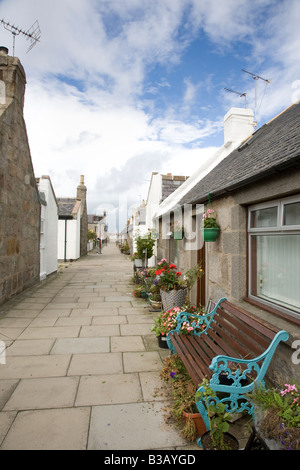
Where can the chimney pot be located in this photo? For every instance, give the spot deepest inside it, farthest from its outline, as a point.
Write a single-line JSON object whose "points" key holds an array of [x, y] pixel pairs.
{"points": [[3, 50], [238, 125]]}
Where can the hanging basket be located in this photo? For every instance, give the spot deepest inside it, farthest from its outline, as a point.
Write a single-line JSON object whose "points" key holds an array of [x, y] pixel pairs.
{"points": [[173, 298], [210, 234]]}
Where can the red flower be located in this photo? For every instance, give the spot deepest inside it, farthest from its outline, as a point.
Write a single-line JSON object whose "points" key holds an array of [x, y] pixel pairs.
{"points": [[178, 273], [172, 266]]}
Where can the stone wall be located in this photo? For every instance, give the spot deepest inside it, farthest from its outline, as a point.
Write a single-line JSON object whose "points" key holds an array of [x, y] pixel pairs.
{"points": [[81, 195], [19, 200]]}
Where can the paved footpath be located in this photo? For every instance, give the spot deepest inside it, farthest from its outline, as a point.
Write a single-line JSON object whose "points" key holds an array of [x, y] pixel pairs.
{"points": [[82, 366]]}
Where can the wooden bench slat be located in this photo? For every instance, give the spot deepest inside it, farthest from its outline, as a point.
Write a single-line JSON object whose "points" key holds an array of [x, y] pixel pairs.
{"points": [[242, 327], [239, 338], [185, 356], [201, 366], [267, 329]]}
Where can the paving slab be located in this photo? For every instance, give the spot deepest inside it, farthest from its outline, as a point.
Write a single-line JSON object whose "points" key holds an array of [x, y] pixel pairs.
{"points": [[55, 429], [32, 394], [35, 366], [127, 343], [25, 347], [51, 332], [142, 361], [80, 345], [109, 389], [131, 426], [96, 364]]}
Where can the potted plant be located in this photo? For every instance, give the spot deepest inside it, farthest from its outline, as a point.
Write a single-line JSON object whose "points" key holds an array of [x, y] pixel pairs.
{"points": [[164, 323], [144, 247], [177, 230], [210, 228], [172, 290], [155, 298], [217, 437], [277, 416], [183, 408]]}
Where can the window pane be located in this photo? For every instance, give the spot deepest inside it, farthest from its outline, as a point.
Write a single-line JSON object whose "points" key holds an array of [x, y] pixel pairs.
{"points": [[264, 217], [291, 215], [276, 269]]}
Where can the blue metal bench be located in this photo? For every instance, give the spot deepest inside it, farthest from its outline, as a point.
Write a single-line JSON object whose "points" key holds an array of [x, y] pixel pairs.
{"points": [[233, 350]]}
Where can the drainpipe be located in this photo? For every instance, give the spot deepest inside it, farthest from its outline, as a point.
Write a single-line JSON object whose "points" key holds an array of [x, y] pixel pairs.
{"points": [[65, 257]]}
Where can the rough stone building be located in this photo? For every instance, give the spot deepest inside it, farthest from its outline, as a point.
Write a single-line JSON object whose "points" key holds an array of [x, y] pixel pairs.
{"points": [[19, 198], [81, 195]]}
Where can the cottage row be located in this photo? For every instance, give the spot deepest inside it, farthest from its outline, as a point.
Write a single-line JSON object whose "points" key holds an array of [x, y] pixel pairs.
{"points": [[252, 186], [37, 229]]}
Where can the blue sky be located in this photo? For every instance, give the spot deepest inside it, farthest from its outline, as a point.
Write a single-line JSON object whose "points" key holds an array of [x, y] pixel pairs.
{"points": [[117, 89]]}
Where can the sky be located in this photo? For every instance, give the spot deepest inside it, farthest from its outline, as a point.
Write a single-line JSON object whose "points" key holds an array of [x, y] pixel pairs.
{"points": [[118, 89]]}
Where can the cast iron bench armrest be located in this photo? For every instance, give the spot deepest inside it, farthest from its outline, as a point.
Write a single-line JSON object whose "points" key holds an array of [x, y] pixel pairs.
{"points": [[202, 319], [220, 363]]}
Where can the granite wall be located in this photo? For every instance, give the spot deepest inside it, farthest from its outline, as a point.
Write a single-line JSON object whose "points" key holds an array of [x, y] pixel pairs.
{"points": [[19, 200]]}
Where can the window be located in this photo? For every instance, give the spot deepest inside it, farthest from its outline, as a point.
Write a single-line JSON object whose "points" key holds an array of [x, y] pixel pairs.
{"points": [[274, 254]]}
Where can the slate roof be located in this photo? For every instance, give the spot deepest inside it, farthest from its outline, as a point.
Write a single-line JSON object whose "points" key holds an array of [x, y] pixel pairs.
{"points": [[273, 147], [170, 183], [67, 207]]}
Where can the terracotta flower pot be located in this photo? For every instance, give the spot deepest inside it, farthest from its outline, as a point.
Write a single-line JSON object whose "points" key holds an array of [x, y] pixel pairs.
{"points": [[198, 421]]}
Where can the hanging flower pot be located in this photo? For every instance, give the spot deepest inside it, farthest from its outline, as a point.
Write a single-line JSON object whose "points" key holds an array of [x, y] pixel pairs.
{"points": [[210, 228], [210, 234]]}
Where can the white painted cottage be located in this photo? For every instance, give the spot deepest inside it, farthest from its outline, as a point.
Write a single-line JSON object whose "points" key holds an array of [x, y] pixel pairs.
{"points": [[68, 242], [49, 227]]}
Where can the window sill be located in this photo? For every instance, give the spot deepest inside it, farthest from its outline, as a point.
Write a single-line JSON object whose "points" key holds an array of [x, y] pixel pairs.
{"points": [[273, 310]]}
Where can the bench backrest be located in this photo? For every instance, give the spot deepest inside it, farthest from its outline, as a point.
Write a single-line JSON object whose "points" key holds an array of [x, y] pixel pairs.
{"points": [[239, 333]]}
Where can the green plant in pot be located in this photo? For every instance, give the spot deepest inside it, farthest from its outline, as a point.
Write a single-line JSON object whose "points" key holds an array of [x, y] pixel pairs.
{"points": [[144, 245], [210, 228], [277, 416], [217, 438]]}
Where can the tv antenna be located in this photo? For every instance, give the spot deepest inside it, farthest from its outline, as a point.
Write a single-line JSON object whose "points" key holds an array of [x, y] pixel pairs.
{"points": [[256, 78], [33, 35], [238, 93]]}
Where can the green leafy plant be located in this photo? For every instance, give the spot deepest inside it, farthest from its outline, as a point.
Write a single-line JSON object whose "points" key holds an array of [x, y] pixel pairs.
{"points": [[192, 274], [281, 419], [218, 418], [167, 276], [209, 219], [144, 245], [165, 322]]}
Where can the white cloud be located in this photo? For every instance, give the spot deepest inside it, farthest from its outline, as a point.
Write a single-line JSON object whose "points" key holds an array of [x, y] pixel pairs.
{"points": [[102, 126]]}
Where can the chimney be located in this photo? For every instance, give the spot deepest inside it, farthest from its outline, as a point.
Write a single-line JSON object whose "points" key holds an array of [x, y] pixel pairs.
{"points": [[238, 125], [81, 190], [12, 79]]}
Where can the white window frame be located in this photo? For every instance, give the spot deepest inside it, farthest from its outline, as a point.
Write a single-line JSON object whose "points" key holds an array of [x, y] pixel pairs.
{"points": [[279, 229]]}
